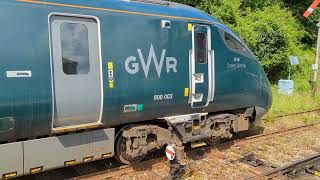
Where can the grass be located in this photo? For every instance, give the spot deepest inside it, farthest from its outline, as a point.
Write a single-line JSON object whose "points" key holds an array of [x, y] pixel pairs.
{"points": [[272, 125], [301, 100]]}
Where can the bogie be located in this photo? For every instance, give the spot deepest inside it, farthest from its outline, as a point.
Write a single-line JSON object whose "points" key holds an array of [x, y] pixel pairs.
{"points": [[134, 142]]}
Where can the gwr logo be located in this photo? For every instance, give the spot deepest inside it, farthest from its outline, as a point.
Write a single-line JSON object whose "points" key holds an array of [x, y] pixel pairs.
{"points": [[133, 67]]}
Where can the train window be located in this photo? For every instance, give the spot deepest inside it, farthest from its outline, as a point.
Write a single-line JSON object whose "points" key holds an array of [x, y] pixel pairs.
{"points": [[233, 43], [201, 48], [74, 48]]}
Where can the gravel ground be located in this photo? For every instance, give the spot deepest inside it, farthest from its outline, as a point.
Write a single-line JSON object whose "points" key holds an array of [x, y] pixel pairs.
{"points": [[222, 162]]}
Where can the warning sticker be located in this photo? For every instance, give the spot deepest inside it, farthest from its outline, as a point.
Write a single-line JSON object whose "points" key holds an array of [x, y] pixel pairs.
{"points": [[170, 153], [130, 108], [110, 75], [190, 27], [186, 92]]}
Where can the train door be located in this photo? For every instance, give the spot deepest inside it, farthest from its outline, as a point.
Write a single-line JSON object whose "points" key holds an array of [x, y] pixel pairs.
{"points": [[201, 67], [77, 71]]}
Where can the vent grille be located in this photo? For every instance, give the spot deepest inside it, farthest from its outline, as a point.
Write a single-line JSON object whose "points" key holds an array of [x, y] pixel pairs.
{"points": [[155, 2]]}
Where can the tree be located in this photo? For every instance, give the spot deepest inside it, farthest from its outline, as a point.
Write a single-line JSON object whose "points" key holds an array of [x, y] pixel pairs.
{"points": [[193, 3]]}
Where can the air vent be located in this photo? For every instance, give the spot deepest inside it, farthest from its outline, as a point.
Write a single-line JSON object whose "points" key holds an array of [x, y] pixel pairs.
{"points": [[155, 2]]}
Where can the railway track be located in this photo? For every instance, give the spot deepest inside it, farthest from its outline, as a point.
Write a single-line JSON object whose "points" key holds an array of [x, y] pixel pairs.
{"points": [[295, 113], [310, 166], [275, 133], [122, 170], [125, 169]]}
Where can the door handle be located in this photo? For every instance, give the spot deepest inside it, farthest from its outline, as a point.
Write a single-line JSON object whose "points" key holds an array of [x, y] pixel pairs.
{"points": [[211, 76], [191, 84], [198, 77], [197, 97]]}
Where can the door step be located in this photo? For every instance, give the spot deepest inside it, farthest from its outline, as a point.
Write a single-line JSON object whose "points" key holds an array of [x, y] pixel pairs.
{"points": [[60, 130]]}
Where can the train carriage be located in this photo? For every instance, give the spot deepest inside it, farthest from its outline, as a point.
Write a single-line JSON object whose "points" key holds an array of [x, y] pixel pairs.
{"points": [[84, 80]]}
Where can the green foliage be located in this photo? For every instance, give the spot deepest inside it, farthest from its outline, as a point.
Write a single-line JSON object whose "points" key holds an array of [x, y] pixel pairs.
{"points": [[300, 101], [271, 34], [269, 27], [256, 4], [222, 10], [188, 2], [298, 7]]}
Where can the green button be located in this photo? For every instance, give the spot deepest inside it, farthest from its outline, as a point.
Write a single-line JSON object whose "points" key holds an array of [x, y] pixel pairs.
{"points": [[140, 107]]}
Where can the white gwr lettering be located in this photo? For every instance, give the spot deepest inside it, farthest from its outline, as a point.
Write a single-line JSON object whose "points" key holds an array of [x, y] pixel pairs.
{"points": [[133, 67]]}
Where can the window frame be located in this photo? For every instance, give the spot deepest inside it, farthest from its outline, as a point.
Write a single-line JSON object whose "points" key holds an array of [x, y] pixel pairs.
{"points": [[246, 51]]}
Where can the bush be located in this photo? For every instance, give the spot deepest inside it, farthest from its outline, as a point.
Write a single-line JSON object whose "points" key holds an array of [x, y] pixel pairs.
{"points": [[272, 34], [188, 2]]}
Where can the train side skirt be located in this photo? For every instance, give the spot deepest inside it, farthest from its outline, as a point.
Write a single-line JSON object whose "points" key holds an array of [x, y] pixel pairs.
{"points": [[28, 157]]}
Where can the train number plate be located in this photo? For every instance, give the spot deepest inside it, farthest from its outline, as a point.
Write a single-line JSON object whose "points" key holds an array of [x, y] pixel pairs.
{"points": [[161, 97]]}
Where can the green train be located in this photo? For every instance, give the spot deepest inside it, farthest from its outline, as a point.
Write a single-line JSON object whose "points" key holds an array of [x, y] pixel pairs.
{"points": [[85, 80]]}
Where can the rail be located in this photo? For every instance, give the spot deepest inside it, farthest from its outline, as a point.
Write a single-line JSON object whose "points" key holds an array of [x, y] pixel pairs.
{"points": [[302, 165]]}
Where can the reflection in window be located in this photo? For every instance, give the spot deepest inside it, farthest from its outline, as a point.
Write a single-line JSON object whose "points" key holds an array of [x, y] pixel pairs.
{"points": [[201, 47], [233, 43], [74, 48]]}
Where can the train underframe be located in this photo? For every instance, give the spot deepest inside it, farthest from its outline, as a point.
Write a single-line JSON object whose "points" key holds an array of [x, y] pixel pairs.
{"points": [[134, 142], [130, 144]]}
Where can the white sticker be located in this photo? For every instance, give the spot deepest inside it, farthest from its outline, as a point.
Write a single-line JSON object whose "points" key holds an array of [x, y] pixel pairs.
{"points": [[130, 108], [18, 74]]}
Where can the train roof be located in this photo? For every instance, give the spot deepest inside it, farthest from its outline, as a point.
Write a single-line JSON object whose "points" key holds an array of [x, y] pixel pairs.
{"points": [[141, 7], [157, 8]]}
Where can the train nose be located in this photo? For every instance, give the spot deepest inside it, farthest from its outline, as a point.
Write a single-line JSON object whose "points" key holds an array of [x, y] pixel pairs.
{"points": [[265, 99]]}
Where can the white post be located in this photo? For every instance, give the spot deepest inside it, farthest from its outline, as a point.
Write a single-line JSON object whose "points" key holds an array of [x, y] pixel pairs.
{"points": [[315, 65], [289, 72]]}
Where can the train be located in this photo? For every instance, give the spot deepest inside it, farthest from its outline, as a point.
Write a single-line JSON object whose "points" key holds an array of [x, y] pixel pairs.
{"points": [[87, 80]]}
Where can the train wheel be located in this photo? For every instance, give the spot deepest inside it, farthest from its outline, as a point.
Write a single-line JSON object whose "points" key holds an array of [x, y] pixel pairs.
{"points": [[213, 141], [121, 151]]}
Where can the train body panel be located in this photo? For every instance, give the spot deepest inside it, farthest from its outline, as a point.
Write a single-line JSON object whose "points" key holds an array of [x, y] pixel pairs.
{"points": [[27, 101], [149, 65]]}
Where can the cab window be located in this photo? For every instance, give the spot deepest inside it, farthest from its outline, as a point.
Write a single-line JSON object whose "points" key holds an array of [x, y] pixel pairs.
{"points": [[233, 43]]}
